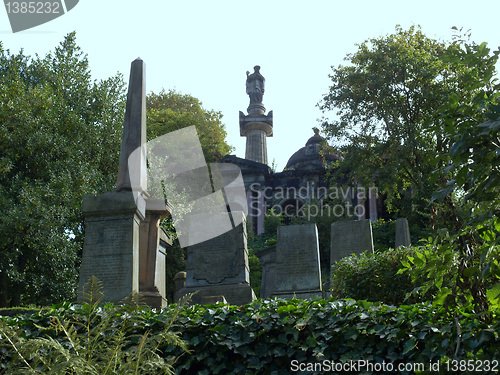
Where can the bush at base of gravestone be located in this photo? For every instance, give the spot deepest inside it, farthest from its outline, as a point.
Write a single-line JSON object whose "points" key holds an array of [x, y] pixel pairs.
{"points": [[374, 278]]}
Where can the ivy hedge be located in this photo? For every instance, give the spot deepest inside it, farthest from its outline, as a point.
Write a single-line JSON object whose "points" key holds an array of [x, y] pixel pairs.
{"points": [[279, 336]]}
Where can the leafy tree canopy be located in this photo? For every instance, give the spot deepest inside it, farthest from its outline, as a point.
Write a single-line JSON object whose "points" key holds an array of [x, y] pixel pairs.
{"points": [[169, 111], [385, 98], [60, 138]]}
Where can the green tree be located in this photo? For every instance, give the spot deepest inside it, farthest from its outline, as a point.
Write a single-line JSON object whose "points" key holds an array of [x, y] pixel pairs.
{"points": [[385, 99], [59, 140], [169, 111], [470, 121]]}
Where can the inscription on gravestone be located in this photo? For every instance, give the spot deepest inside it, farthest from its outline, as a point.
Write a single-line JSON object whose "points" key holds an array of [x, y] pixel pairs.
{"points": [[107, 255], [297, 261], [215, 260], [350, 237]]}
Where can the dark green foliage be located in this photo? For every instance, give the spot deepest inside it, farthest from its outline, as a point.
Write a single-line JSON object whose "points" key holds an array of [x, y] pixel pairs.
{"points": [[266, 336], [375, 277], [88, 339], [384, 235], [59, 140], [468, 175], [170, 110], [259, 243]]}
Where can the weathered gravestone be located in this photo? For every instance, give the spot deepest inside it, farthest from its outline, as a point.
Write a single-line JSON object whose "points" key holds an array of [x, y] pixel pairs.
{"points": [[119, 223], [402, 233], [350, 237], [267, 260], [219, 266], [298, 270]]}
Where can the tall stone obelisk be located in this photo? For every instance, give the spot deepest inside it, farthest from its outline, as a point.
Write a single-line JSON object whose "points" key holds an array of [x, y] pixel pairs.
{"points": [[256, 126], [113, 220]]}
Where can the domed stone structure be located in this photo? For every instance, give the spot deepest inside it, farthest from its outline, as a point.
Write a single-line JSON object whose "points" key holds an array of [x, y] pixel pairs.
{"points": [[304, 178], [314, 155]]}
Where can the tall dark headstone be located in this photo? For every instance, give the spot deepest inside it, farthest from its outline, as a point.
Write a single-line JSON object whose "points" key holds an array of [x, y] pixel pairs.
{"points": [[350, 237], [219, 266], [402, 233], [298, 270]]}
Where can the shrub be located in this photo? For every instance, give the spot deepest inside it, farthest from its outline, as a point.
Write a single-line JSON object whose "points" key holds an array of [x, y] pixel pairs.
{"points": [[87, 339], [374, 277]]}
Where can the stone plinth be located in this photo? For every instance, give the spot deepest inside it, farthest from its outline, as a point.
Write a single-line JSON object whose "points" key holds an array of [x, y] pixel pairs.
{"points": [[298, 270], [219, 266], [350, 237], [111, 244], [402, 233], [267, 260], [152, 261]]}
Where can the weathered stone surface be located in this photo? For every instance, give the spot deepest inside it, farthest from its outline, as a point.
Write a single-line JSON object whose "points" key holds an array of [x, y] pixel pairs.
{"points": [[219, 266], [152, 265], [132, 171], [267, 260], [111, 244], [223, 259], [402, 233], [122, 238], [297, 262], [179, 284], [350, 237]]}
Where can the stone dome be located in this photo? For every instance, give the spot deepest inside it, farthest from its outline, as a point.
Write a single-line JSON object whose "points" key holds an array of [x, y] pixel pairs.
{"points": [[309, 156]]}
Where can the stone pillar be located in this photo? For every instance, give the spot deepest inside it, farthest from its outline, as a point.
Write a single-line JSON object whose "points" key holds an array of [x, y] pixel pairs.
{"points": [[372, 197], [151, 261], [256, 128], [257, 125]]}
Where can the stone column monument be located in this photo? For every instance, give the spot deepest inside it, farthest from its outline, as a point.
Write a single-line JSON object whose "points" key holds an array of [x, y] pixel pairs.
{"points": [[121, 227], [256, 126]]}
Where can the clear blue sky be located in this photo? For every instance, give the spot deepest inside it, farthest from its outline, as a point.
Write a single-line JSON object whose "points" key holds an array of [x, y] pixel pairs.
{"points": [[204, 48]]}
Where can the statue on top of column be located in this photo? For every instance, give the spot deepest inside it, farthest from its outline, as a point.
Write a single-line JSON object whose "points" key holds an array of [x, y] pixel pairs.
{"points": [[255, 86]]}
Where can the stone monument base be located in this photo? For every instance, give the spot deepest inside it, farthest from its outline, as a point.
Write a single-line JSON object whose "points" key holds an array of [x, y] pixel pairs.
{"points": [[302, 294], [153, 299], [235, 294]]}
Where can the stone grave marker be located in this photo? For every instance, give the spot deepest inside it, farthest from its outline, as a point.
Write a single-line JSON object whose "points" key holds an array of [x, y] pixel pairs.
{"points": [[298, 271], [267, 260], [119, 227], [219, 266], [350, 237], [402, 233]]}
